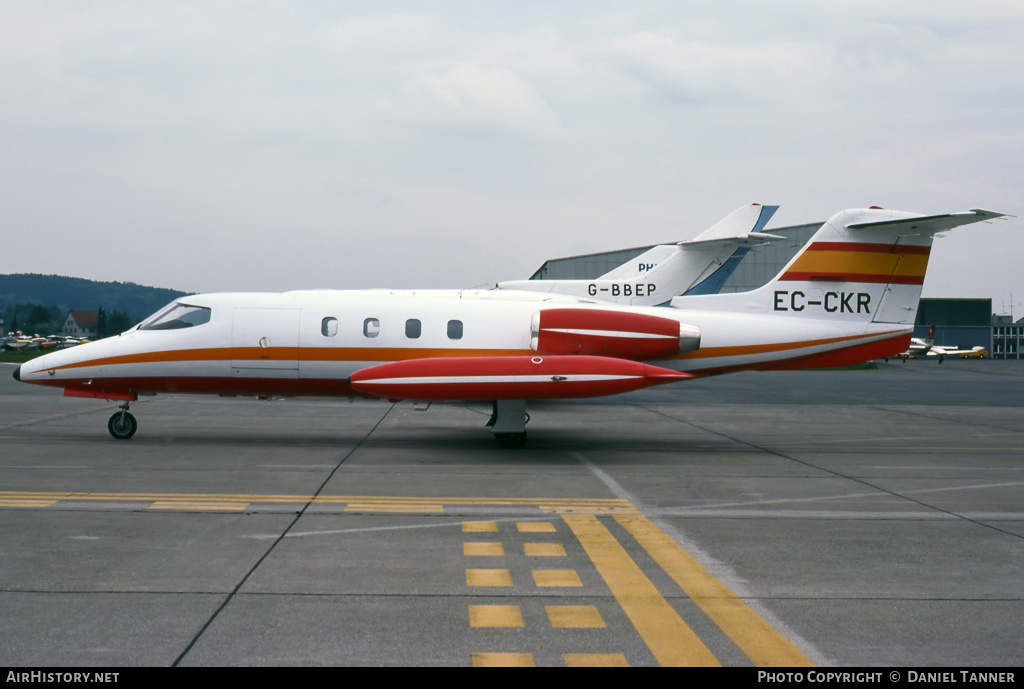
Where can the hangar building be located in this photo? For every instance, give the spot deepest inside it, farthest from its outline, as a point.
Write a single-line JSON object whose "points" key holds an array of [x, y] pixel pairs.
{"points": [[759, 266], [960, 323]]}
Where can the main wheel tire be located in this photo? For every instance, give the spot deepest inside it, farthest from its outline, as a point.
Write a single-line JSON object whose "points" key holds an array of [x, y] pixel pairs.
{"points": [[511, 440], [122, 425]]}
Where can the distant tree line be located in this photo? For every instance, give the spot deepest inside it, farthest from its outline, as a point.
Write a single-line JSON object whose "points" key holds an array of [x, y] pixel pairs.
{"points": [[44, 320], [31, 318], [40, 303], [117, 321]]}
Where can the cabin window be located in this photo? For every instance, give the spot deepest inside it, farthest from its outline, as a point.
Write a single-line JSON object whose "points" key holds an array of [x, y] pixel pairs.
{"points": [[177, 316], [413, 328], [454, 330], [371, 327], [329, 327]]}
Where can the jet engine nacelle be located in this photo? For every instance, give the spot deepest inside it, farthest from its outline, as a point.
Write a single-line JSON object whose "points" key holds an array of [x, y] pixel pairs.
{"points": [[619, 334]]}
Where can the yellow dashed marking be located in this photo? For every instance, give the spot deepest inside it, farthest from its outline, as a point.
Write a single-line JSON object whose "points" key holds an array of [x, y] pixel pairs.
{"points": [[483, 549], [479, 527], [556, 577], [352, 503], [544, 550], [503, 660], [491, 616], [535, 527], [488, 577], [574, 617]]}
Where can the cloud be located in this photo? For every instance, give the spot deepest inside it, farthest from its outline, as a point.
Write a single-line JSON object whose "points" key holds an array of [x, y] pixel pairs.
{"points": [[274, 146], [471, 99], [699, 72]]}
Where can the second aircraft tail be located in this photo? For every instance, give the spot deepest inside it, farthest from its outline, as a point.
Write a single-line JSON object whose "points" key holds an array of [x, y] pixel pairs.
{"points": [[696, 266]]}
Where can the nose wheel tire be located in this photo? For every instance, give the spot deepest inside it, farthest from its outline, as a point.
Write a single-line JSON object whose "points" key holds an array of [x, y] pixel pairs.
{"points": [[122, 425]]}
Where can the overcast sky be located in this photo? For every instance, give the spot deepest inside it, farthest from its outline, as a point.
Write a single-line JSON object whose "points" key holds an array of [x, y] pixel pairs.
{"points": [[275, 145]]}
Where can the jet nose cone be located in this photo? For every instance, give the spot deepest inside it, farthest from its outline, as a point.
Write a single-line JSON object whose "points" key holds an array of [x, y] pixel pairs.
{"points": [[17, 374]]}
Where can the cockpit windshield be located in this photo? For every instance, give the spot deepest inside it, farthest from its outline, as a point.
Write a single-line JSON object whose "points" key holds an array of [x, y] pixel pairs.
{"points": [[176, 316]]}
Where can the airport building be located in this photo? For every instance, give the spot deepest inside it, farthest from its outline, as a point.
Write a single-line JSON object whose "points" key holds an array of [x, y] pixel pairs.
{"points": [[1007, 338], [959, 323]]}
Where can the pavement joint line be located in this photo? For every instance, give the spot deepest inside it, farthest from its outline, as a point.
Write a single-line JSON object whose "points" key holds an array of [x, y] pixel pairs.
{"points": [[241, 582]]}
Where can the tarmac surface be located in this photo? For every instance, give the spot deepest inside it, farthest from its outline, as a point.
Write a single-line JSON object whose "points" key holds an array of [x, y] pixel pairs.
{"points": [[834, 518]]}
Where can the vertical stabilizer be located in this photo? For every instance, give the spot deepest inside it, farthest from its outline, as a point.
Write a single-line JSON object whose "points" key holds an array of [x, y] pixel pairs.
{"points": [[865, 265]]}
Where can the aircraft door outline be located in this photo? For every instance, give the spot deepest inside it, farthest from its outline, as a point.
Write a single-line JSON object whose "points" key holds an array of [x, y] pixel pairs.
{"points": [[265, 339]]}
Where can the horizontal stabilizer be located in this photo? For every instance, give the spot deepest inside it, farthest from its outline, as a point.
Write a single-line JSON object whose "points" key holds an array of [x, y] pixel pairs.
{"points": [[930, 224], [862, 266], [742, 225]]}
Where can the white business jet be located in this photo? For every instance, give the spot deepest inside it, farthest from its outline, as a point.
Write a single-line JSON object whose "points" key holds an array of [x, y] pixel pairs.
{"points": [[850, 295]]}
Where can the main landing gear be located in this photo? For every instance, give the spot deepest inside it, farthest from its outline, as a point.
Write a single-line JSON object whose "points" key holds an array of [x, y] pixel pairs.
{"points": [[508, 423], [122, 425]]}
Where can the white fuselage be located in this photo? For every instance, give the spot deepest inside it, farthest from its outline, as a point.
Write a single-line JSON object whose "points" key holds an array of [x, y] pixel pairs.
{"points": [[310, 342]]}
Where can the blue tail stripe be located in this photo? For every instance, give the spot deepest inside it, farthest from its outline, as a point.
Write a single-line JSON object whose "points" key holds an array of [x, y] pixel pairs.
{"points": [[766, 214], [712, 284]]}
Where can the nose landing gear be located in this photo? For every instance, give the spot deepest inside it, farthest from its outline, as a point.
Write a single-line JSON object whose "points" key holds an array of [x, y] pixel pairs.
{"points": [[122, 425]]}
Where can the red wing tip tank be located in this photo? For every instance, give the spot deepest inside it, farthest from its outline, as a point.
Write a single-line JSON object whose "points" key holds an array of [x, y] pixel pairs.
{"points": [[510, 378]]}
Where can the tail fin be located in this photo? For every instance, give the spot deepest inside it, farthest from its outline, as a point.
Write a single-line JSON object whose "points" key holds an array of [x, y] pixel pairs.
{"points": [[741, 228], [862, 265], [699, 265]]}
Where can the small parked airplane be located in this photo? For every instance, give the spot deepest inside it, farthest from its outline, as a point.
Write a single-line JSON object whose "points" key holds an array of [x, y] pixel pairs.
{"points": [[926, 347], [975, 352], [850, 295]]}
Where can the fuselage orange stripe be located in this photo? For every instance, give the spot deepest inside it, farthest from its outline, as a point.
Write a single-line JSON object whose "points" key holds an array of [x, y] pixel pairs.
{"points": [[291, 354]]}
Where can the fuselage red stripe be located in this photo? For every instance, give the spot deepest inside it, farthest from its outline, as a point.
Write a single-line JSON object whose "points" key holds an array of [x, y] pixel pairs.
{"points": [[870, 248], [877, 278]]}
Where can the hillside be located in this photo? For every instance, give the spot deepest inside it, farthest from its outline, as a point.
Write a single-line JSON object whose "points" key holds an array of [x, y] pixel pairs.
{"points": [[61, 294]]}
